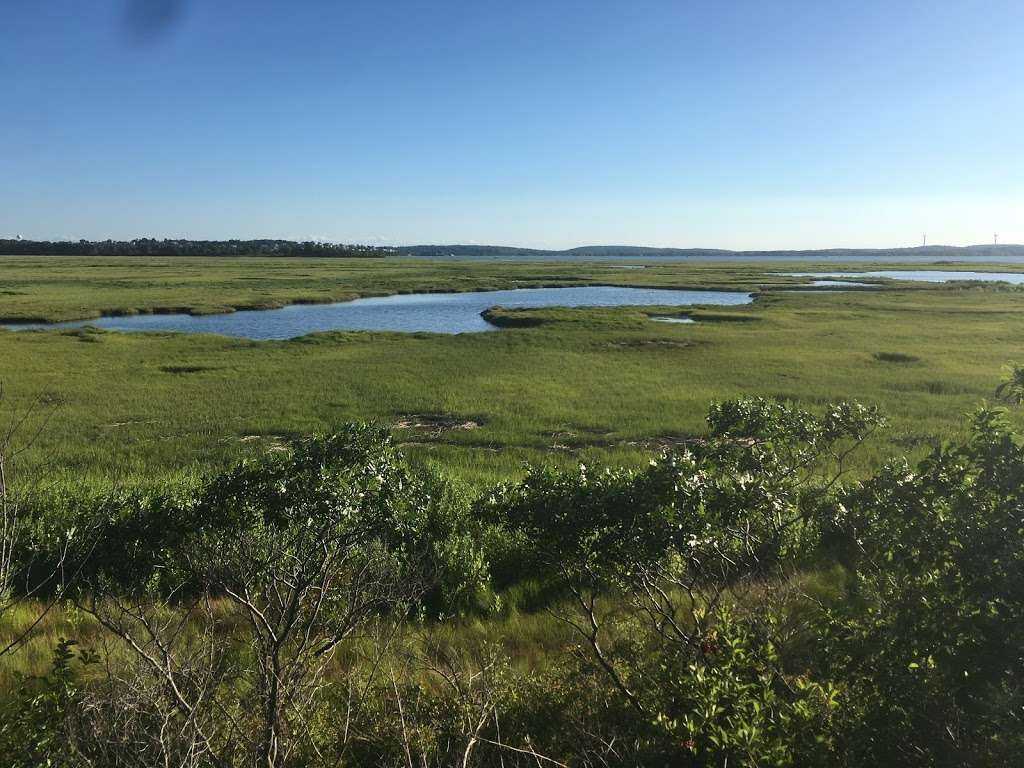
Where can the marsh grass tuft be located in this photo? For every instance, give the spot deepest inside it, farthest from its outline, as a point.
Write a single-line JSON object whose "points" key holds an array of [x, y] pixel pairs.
{"points": [[895, 357]]}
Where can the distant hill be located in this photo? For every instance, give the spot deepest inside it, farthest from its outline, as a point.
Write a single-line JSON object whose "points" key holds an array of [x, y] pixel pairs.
{"points": [[182, 247], [632, 251]]}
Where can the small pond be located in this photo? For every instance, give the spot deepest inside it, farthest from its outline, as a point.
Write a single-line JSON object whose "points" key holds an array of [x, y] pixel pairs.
{"points": [[431, 312], [921, 275], [666, 319]]}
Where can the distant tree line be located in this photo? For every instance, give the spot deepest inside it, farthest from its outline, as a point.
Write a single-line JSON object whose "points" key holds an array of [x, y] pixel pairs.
{"points": [[148, 246]]}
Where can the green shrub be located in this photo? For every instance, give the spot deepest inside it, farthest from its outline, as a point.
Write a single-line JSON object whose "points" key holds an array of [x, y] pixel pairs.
{"points": [[929, 644], [34, 724]]}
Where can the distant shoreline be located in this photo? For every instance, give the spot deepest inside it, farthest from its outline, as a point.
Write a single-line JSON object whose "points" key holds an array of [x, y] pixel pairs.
{"points": [[708, 254]]}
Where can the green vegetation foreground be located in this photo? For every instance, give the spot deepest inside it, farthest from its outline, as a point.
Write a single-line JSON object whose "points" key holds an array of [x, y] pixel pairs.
{"points": [[739, 602]]}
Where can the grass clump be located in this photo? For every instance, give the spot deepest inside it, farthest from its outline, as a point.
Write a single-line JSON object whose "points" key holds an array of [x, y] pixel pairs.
{"points": [[895, 357]]}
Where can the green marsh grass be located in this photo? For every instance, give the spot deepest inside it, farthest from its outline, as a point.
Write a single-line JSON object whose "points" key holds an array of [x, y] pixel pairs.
{"points": [[603, 385]]}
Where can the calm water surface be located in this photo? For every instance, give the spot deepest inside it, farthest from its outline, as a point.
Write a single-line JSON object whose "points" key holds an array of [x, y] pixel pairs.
{"points": [[433, 312], [664, 319], [922, 275], [897, 257]]}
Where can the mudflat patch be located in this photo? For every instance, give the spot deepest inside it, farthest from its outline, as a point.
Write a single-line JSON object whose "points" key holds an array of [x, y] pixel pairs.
{"points": [[435, 424]]}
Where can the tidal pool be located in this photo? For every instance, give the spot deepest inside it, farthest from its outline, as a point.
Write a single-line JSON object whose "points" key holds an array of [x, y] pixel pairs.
{"points": [[921, 275], [665, 319], [415, 312]]}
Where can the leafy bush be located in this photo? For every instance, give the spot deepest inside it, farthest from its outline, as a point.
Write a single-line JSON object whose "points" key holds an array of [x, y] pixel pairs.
{"points": [[291, 556], [931, 642], [665, 567], [737, 601], [33, 727]]}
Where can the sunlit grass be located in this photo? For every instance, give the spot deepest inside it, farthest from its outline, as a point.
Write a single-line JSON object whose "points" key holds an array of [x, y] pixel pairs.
{"points": [[590, 385]]}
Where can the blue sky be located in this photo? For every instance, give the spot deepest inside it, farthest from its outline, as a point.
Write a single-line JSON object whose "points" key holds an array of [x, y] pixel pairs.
{"points": [[550, 124]]}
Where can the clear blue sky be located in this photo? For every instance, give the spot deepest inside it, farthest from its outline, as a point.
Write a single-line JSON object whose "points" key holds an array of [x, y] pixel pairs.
{"points": [[547, 123]]}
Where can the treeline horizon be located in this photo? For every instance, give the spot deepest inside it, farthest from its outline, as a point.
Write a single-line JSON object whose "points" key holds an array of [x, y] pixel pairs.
{"points": [[148, 246]]}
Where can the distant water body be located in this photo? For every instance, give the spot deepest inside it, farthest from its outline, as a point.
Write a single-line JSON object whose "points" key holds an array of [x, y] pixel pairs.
{"points": [[631, 261], [418, 312], [918, 275]]}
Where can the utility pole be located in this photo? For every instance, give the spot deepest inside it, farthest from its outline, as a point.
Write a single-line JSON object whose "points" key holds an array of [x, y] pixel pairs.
{"points": [[995, 239], [924, 240]]}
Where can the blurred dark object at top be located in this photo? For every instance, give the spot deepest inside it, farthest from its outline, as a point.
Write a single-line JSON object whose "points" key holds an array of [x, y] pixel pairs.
{"points": [[146, 21]]}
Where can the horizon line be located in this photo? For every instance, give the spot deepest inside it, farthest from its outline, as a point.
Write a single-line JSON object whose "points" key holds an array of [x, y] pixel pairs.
{"points": [[464, 245]]}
